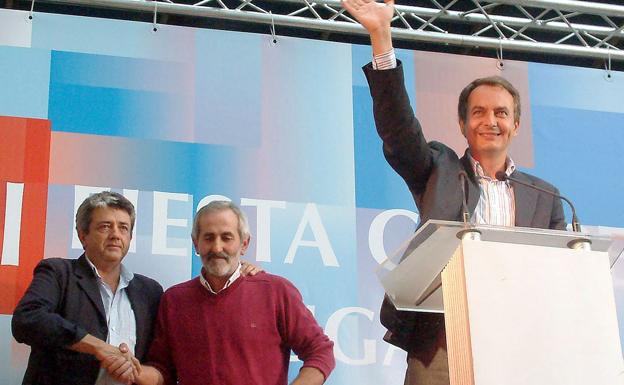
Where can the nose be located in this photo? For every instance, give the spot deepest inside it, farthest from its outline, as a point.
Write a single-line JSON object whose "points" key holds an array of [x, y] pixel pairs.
{"points": [[216, 246], [491, 119], [114, 232]]}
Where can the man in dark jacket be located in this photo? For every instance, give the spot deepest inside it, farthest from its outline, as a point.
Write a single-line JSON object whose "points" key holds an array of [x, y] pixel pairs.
{"points": [[86, 319]]}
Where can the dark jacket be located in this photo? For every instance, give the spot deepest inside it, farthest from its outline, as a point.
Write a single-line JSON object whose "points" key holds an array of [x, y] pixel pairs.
{"points": [[63, 304]]}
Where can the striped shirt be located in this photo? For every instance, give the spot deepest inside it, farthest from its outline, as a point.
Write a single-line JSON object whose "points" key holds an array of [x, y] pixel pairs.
{"points": [[496, 204], [384, 61]]}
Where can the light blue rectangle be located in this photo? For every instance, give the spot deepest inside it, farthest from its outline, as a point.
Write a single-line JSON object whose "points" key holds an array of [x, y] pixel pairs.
{"points": [[228, 88], [573, 87], [112, 37], [25, 78], [577, 150], [105, 95]]}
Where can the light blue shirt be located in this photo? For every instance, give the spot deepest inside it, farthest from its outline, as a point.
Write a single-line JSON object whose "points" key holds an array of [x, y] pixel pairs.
{"points": [[119, 316]]}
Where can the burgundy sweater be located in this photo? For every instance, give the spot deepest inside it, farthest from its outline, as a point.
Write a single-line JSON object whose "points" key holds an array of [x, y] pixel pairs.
{"points": [[242, 335]]}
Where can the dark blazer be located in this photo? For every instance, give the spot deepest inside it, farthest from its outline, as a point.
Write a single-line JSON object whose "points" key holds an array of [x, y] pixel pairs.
{"points": [[431, 172], [63, 304]]}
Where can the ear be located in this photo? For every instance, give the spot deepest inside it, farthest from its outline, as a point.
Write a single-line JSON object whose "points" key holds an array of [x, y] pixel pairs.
{"points": [[195, 244], [82, 235], [516, 127], [462, 127], [245, 245]]}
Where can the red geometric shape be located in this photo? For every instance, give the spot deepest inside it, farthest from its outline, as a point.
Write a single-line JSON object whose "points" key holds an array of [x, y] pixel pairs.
{"points": [[24, 158]]}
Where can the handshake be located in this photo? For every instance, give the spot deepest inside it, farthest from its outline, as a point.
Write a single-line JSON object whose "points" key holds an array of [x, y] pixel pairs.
{"points": [[119, 362]]}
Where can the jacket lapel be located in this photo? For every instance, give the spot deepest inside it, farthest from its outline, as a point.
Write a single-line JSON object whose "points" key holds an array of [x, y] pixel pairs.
{"points": [[525, 200], [87, 282], [474, 190], [141, 314]]}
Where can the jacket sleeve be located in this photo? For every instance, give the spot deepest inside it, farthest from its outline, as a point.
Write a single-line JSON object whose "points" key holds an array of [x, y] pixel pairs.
{"points": [[404, 144], [36, 321]]}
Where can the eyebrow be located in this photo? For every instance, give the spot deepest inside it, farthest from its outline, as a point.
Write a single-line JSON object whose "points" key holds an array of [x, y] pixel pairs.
{"points": [[110, 222], [499, 108], [218, 234]]}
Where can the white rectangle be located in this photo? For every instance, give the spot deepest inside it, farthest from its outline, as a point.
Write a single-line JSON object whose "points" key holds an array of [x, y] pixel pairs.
{"points": [[12, 224], [541, 316]]}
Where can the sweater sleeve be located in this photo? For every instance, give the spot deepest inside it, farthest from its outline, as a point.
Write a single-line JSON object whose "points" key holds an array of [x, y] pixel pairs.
{"points": [[36, 321], [302, 333], [159, 355]]}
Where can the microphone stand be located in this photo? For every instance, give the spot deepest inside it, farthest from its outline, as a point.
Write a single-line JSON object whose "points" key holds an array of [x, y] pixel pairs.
{"points": [[469, 231], [583, 243]]}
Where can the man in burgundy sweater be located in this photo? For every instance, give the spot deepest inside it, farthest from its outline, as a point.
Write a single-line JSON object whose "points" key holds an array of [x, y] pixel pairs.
{"points": [[222, 328]]}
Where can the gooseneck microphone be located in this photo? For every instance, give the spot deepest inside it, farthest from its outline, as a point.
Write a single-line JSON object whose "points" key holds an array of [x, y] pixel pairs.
{"points": [[463, 179], [576, 225]]}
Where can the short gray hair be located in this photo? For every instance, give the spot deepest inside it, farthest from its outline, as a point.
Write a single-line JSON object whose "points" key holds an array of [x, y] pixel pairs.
{"points": [[102, 199], [218, 206]]}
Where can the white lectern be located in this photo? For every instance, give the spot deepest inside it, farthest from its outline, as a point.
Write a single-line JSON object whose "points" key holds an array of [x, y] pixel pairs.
{"points": [[520, 306]]}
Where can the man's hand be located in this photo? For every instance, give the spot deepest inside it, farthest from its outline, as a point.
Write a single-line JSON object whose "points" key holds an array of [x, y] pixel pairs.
{"points": [[121, 365], [120, 369], [249, 269], [118, 361], [372, 15], [136, 364], [125, 350], [376, 18], [309, 376]]}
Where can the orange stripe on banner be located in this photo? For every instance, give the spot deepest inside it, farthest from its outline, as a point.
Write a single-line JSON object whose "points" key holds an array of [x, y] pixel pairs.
{"points": [[24, 158]]}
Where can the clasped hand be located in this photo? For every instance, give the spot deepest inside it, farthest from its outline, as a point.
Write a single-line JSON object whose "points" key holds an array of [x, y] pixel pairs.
{"points": [[121, 364]]}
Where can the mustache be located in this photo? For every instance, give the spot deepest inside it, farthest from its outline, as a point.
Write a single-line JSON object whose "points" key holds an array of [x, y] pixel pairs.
{"points": [[222, 255], [491, 130]]}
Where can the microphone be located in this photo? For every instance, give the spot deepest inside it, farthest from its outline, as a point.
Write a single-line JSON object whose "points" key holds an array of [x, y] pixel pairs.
{"points": [[469, 231], [463, 179], [576, 225]]}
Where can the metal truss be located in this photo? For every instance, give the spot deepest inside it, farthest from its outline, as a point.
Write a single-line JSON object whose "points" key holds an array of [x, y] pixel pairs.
{"points": [[570, 28]]}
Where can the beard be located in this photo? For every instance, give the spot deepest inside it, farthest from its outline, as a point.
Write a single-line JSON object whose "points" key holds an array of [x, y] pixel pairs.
{"points": [[219, 264]]}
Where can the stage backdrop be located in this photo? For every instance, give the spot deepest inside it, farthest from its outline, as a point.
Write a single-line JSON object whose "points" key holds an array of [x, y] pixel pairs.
{"points": [[180, 116]]}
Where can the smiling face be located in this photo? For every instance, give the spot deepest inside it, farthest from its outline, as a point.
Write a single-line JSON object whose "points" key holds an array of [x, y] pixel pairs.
{"points": [[219, 244], [108, 239], [490, 122]]}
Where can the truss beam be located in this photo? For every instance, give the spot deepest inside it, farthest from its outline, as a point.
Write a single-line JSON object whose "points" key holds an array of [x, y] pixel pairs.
{"points": [[569, 28]]}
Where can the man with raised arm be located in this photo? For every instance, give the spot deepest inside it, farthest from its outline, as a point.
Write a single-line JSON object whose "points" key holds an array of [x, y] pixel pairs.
{"points": [[489, 118], [223, 328]]}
